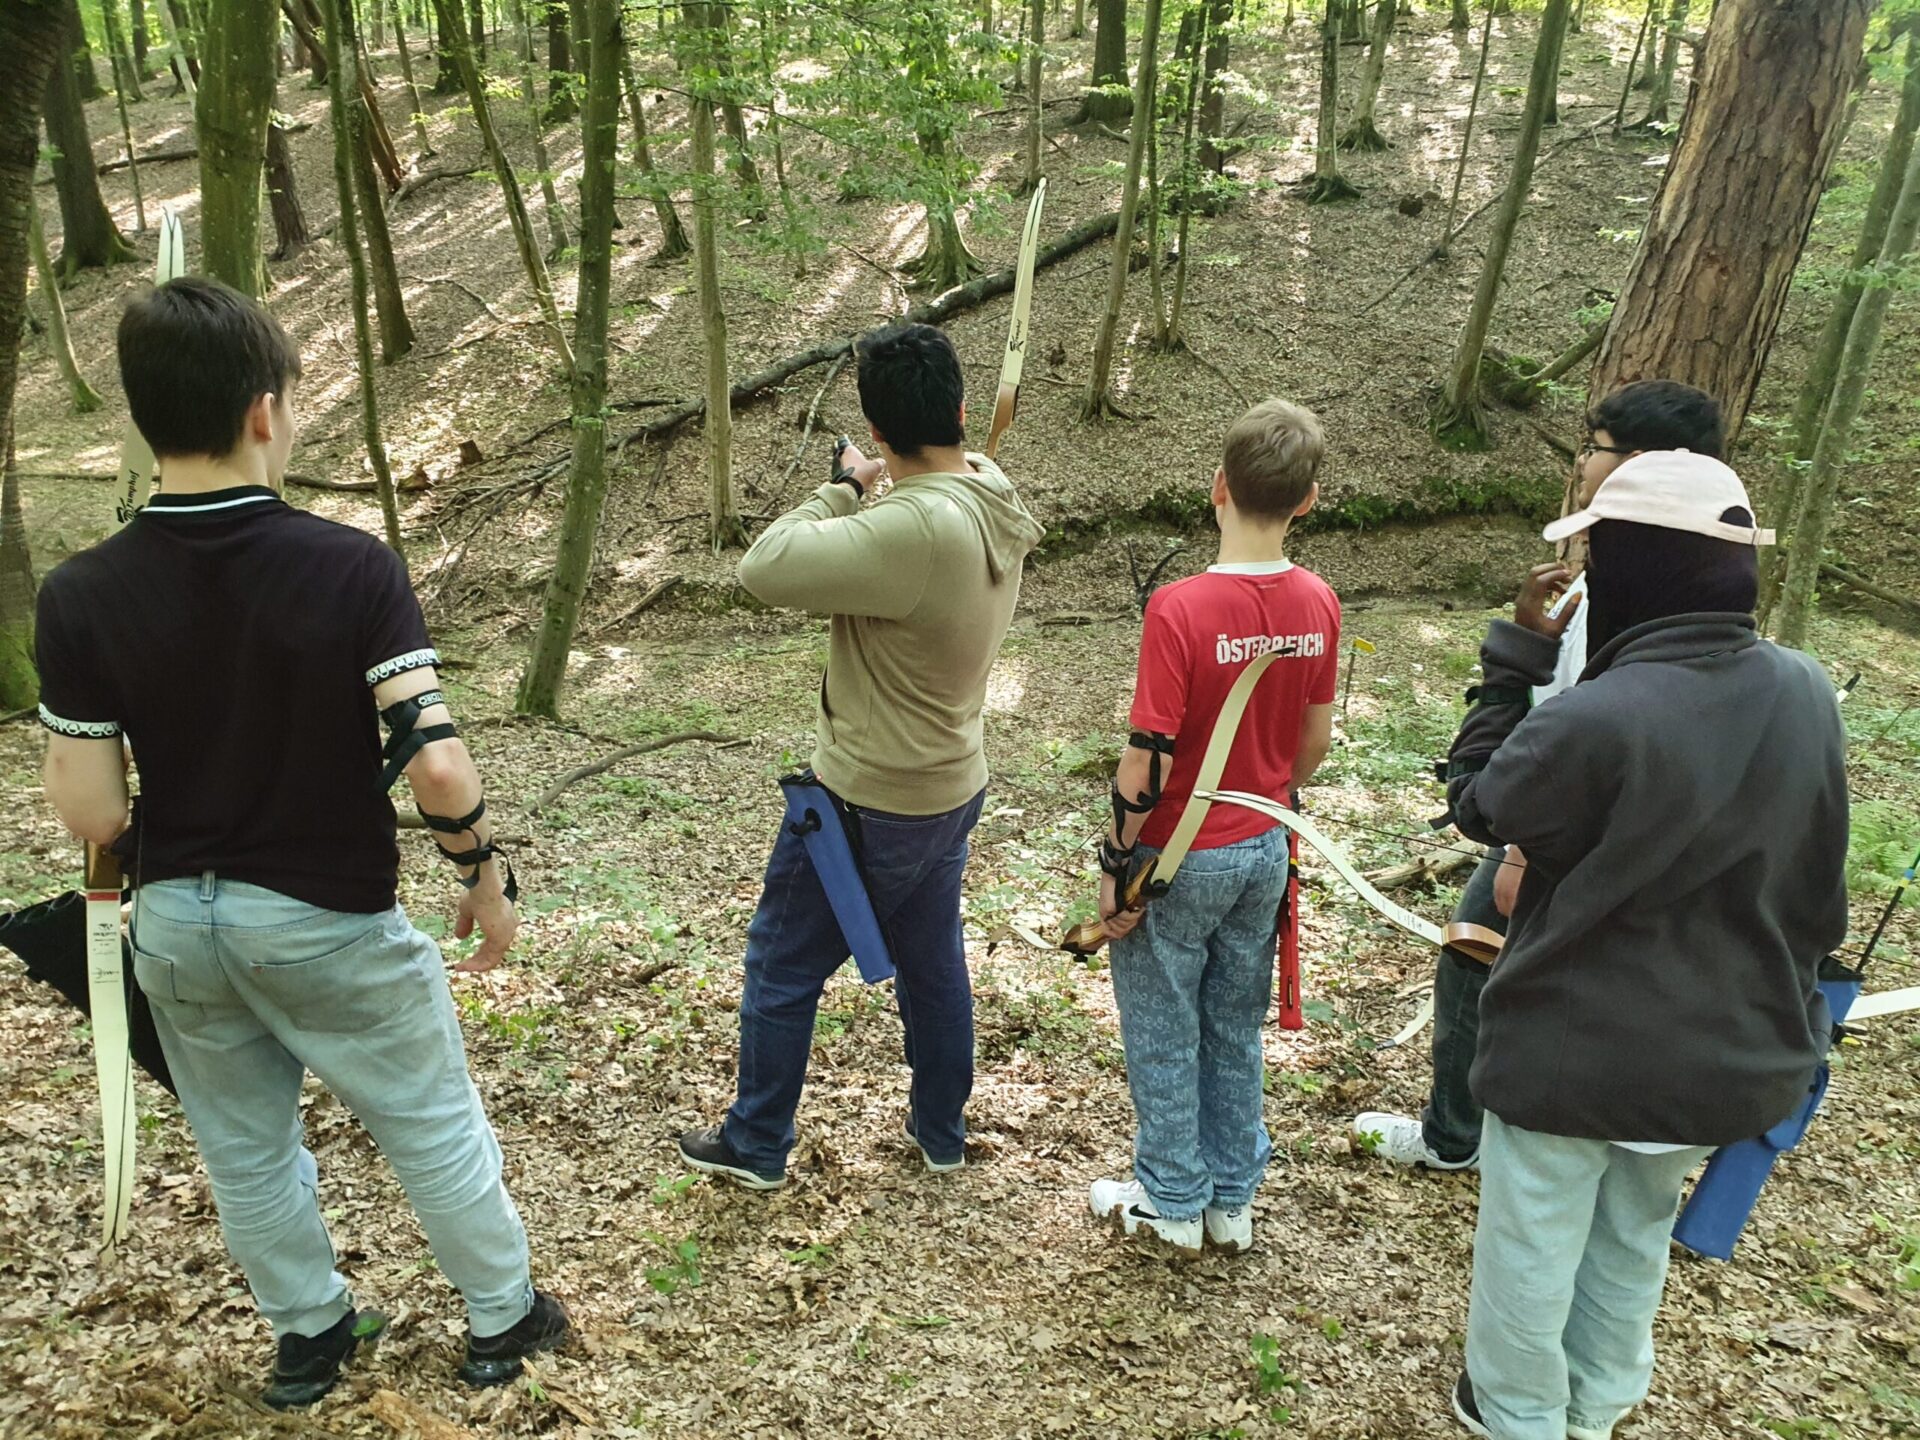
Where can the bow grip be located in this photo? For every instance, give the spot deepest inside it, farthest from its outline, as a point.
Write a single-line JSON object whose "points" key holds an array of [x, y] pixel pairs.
{"points": [[1005, 401]]}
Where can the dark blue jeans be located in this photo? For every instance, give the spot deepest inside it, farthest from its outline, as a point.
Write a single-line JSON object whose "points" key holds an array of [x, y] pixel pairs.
{"points": [[913, 865], [1451, 1123]]}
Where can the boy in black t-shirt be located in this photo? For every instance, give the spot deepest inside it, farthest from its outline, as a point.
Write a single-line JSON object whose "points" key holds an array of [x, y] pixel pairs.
{"points": [[247, 651]]}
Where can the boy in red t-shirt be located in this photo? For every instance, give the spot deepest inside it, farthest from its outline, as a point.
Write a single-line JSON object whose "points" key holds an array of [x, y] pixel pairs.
{"points": [[1193, 972]]}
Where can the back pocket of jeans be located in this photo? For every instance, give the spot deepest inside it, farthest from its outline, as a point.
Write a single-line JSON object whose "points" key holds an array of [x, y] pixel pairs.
{"points": [[371, 979]]}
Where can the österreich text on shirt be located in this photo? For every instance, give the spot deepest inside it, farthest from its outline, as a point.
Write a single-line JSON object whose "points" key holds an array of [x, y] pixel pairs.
{"points": [[1251, 647]]}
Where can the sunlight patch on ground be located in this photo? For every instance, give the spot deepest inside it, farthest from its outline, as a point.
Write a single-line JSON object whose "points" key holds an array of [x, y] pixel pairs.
{"points": [[1008, 684]]}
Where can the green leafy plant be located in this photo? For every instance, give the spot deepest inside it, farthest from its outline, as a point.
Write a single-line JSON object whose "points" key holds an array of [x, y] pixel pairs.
{"points": [[682, 1271]]}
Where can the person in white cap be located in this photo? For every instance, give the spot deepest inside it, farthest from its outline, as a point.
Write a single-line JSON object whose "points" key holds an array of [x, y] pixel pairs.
{"points": [[1684, 814], [1634, 419]]}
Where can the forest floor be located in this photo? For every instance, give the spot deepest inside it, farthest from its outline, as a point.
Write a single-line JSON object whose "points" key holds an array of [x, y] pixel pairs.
{"points": [[869, 1299]]}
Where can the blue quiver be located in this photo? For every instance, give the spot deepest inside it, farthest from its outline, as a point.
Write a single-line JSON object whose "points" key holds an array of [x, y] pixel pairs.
{"points": [[1730, 1186], [813, 814]]}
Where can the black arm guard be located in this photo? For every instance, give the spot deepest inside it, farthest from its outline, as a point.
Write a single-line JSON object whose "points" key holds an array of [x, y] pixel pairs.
{"points": [[404, 737]]}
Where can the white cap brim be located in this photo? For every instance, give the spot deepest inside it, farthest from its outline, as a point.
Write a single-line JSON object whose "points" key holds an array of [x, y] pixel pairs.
{"points": [[1569, 525]]}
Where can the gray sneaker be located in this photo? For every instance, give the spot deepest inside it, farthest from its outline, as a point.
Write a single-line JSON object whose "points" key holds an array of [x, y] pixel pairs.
{"points": [[934, 1167], [1400, 1139]]}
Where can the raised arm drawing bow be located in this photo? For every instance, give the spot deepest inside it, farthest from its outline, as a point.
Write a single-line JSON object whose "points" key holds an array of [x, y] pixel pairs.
{"points": [[1007, 398]]}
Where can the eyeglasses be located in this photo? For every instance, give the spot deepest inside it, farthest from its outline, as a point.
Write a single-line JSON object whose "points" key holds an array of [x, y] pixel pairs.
{"points": [[1592, 449]]}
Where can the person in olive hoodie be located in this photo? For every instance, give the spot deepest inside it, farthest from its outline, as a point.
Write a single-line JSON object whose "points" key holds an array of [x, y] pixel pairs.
{"points": [[921, 585], [1684, 814]]}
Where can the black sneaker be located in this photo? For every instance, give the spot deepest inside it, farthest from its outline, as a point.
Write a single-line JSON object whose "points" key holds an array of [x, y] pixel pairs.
{"points": [[708, 1152], [496, 1359], [1467, 1410], [305, 1367]]}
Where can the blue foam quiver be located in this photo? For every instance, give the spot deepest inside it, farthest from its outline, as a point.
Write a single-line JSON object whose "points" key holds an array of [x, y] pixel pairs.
{"points": [[1717, 1211], [814, 815]]}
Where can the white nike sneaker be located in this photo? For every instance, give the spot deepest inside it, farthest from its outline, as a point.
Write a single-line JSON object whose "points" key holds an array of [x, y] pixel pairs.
{"points": [[1229, 1230], [1400, 1139], [1128, 1200]]}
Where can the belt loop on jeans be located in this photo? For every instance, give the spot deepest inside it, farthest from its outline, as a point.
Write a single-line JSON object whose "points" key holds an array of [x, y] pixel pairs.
{"points": [[207, 884]]}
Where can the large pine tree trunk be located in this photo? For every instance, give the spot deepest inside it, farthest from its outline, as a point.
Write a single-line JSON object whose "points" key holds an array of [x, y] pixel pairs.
{"points": [[1099, 399], [88, 236], [1708, 282], [343, 97], [587, 475], [36, 42], [1458, 419], [1843, 412], [231, 115], [523, 237], [1109, 63]]}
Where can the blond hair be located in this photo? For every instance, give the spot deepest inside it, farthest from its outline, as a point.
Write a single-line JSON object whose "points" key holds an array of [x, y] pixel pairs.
{"points": [[1272, 458]]}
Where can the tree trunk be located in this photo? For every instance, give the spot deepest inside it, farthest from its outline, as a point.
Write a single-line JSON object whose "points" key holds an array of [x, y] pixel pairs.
{"points": [[343, 97], [396, 330], [561, 104], [1704, 294], [137, 13], [406, 76], [126, 75], [87, 233], [947, 261], [1079, 27], [587, 475], [1109, 63], [133, 163], [1551, 115], [1462, 19], [305, 26], [85, 399], [181, 56], [1036, 44], [1187, 193], [477, 31], [523, 239], [556, 217], [1328, 183], [673, 238], [1213, 95], [724, 529], [289, 220], [1099, 401], [1849, 397], [83, 70], [1660, 94], [1445, 245], [1458, 421], [379, 139], [1633, 60], [740, 149], [1362, 134], [36, 42], [446, 76], [230, 116]]}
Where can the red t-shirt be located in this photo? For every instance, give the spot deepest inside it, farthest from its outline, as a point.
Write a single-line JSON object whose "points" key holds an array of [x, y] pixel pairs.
{"points": [[1200, 633]]}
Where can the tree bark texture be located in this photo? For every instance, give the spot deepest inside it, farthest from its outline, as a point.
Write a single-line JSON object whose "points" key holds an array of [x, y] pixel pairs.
{"points": [[1213, 95], [230, 116], [557, 240], [386, 157], [343, 97], [446, 78], [1660, 94], [289, 220], [1109, 63], [1703, 296], [1843, 412], [1327, 182], [1099, 399], [523, 238], [389, 301], [1036, 45], [1459, 418], [724, 529], [673, 236], [85, 399], [561, 104], [406, 76], [306, 25], [36, 42], [126, 74], [587, 474], [88, 236], [1363, 134]]}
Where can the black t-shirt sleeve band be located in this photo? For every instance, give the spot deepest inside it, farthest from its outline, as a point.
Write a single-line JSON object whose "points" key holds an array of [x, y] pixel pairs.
{"points": [[400, 664], [79, 729]]}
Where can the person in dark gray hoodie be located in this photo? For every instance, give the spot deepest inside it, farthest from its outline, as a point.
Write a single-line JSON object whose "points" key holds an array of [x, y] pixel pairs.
{"points": [[1684, 814]]}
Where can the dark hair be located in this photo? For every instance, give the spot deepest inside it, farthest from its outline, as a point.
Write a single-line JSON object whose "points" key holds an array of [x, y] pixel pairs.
{"points": [[911, 388], [1661, 415], [1638, 573], [1271, 459], [194, 357]]}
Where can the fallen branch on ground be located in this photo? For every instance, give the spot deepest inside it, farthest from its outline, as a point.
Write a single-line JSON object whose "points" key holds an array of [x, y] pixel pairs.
{"points": [[813, 414], [607, 762], [653, 597], [427, 177], [1867, 587], [1422, 868]]}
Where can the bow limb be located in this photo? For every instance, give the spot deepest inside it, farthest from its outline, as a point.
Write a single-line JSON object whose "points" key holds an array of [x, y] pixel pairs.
{"points": [[1007, 398]]}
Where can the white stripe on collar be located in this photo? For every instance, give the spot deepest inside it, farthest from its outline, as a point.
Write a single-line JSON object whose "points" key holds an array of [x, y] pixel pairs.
{"points": [[1252, 567], [216, 505]]}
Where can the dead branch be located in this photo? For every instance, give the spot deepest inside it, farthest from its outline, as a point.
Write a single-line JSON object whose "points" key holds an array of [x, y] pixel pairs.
{"points": [[412, 1420], [428, 177], [607, 762], [655, 594], [813, 414], [1422, 868], [1867, 587], [467, 290]]}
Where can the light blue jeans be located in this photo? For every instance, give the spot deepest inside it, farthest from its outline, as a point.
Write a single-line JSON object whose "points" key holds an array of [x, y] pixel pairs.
{"points": [[1193, 982], [1569, 1261], [250, 990]]}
